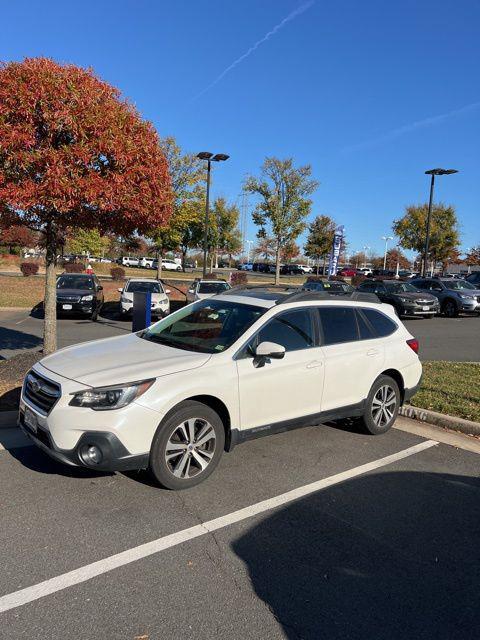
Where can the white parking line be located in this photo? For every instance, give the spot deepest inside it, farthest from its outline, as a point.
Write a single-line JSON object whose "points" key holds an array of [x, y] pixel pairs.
{"points": [[77, 576]]}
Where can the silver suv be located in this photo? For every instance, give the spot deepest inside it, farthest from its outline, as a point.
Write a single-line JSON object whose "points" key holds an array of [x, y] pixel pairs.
{"points": [[455, 295]]}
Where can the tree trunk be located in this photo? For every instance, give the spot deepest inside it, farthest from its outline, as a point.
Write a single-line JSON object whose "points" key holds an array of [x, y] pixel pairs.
{"points": [[159, 265], [50, 298], [184, 257], [277, 264]]}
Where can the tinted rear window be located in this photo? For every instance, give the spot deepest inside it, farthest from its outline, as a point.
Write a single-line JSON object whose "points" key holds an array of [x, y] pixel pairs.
{"points": [[338, 324], [382, 325]]}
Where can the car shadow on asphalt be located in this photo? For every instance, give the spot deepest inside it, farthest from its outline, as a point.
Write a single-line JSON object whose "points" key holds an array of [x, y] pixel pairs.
{"points": [[36, 460], [390, 555], [15, 340]]}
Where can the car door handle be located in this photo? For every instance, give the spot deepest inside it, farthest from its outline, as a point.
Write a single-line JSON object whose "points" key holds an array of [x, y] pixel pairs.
{"points": [[373, 352], [314, 364]]}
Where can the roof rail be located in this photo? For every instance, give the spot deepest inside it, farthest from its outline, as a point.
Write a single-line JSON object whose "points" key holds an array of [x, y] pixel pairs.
{"points": [[312, 296], [264, 287]]}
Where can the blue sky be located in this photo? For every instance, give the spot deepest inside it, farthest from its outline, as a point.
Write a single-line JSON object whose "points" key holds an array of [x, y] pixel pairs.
{"points": [[369, 93]]}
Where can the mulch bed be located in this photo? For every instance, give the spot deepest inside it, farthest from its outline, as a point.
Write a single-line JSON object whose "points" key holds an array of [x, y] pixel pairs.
{"points": [[12, 373]]}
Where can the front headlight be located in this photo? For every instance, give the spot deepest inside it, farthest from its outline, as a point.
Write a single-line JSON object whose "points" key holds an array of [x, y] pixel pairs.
{"points": [[87, 298], [114, 397], [404, 299], [466, 297]]}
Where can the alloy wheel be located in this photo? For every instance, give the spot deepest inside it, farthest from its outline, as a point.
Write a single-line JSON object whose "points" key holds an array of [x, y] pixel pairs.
{"points": [[190, 448], [383, 405]]}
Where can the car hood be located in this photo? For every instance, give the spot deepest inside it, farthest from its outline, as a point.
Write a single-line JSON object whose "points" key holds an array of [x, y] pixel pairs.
{"points": [[120, 359], [413, 295], [75, 292]]}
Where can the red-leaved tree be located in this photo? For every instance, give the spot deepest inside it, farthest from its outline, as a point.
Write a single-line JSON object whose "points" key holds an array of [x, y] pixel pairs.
{"points": [[74, 154], [17, 236]]}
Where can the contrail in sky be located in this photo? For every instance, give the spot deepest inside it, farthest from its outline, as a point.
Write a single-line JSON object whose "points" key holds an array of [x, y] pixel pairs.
{"points": [[413, 126], [291, 16]]}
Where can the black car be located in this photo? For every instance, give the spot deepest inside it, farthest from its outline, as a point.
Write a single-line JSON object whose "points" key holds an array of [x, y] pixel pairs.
{"points": [[474, 278], [407, 300], [334, 287], [80, 294]]}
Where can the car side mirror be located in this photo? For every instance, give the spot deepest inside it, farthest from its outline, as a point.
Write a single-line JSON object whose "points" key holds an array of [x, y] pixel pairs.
{"points": [[267, 350], [119, 290], [99, 288], [167, 291]]}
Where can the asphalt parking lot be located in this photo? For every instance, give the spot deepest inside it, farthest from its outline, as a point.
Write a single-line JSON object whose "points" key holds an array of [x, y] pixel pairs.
{"points": [[384, 544], [455, 339]]}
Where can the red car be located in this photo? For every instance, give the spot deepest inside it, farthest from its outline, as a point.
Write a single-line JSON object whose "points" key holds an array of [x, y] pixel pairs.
{"points": [[347, 272]]}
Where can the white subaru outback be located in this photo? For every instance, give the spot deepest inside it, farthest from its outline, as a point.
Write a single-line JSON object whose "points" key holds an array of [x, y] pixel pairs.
{"points": [[240, 365]]}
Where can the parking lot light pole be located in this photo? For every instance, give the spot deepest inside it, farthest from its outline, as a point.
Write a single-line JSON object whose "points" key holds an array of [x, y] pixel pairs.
{"points": [[433, 173], [365, 249], [386, 238], [209, 157]]}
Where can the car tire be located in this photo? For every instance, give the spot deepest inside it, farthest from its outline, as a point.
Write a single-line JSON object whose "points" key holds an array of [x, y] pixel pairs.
{"points": [[94, 316], [381, 407], [450, 309], [179, 268], [176, 463]]}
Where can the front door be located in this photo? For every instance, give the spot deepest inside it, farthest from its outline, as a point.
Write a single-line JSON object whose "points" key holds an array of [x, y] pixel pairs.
{"points": [[285, 389]]}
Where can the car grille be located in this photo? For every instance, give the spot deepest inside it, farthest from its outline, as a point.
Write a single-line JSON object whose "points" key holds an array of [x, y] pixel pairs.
{"points": [[41, 392], [68, 299], [418, 301]]}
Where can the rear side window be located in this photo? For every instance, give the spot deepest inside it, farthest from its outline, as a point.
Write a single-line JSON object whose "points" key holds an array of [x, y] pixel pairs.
{"points": [[339, 324], [382, 325]]}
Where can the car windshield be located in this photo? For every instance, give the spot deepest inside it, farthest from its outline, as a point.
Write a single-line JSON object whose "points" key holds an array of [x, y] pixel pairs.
{"points": [[207, 326], [75, 282], [459, 284], [144, 287], [212, 287], [399, 287]]}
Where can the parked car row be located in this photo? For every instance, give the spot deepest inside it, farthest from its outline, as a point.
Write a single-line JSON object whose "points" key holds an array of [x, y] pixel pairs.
{"points": [[269, 267], [149, 263], [427, 296]]}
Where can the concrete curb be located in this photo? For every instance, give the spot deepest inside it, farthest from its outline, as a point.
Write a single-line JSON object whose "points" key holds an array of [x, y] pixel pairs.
{"points": [[440, 420]]}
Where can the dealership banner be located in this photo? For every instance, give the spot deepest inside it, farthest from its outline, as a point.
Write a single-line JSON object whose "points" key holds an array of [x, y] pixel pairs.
{"points": [[336, 248]]}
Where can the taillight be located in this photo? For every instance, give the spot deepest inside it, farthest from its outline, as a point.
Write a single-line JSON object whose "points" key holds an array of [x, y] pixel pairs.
{"points": [[414, 344]]}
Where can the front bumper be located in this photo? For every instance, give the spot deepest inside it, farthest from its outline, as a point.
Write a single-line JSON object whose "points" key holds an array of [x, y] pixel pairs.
{"points": [[76, 308], [124, 435], [115, 456], [469, 307], [418, 310], [160, 310]]}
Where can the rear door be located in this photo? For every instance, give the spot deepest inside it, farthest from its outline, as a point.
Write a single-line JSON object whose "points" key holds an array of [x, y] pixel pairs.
{"points": [[354, 356]]}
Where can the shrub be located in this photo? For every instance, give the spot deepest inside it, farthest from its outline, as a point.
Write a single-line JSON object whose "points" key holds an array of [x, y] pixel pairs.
{"points": [[358, 279], [238, 278], [74, 267], [29, 268], [117, 273], [312, 278], [336, 278]]}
